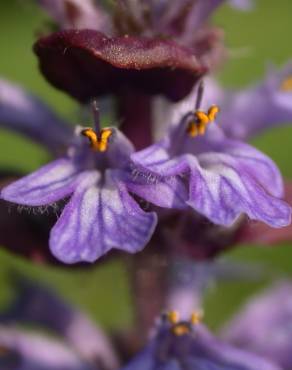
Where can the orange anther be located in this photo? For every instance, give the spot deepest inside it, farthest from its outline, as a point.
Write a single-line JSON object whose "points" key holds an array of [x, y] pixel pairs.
{"points": [[286, 84], [173, 317], [98, 142], [212, 112]]}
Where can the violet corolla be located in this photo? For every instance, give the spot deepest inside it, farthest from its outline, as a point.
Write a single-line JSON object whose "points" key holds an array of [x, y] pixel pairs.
{"points": [[187, 344], [101, 213], [224, 178]]}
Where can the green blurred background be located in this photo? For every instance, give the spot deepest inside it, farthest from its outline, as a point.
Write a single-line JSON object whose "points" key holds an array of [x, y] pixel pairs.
{"points": [[254, 38]]}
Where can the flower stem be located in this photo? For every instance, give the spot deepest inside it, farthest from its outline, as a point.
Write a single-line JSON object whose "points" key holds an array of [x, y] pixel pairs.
{"points": [[134, 113], [149, 283]]}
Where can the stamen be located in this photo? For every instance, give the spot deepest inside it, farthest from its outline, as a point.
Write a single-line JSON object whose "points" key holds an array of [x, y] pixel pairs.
{"points": [[173, 317], [98, 138], [196, 317], [98, 142], [96, 118], [181, 329], [192, 129], [198, 125], [200, 94], [212, 112], [286, 84]]}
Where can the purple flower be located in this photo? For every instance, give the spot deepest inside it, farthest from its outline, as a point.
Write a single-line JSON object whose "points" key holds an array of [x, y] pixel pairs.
{"points": [[101, 214], [189, 345], [264, 325], [224, 178]]}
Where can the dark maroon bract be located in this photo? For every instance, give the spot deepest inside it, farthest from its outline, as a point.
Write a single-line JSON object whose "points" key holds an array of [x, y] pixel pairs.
{"points": [[87, 64]]}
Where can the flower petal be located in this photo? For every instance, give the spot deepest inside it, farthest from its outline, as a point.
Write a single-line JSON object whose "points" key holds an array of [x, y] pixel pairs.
{"points": [[35, 352], [222, 190], [242, 4], [197, 350], [166, 192], [207, 352], [151, 184], [99, 218], [145, 360], [200, 11], [26, 114], [245, 361], [264, 326], [262, 234], [247, 113], [255, 163], [77, 14], [96, 64], [222, 186], [44, 186], [37, 305]]}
